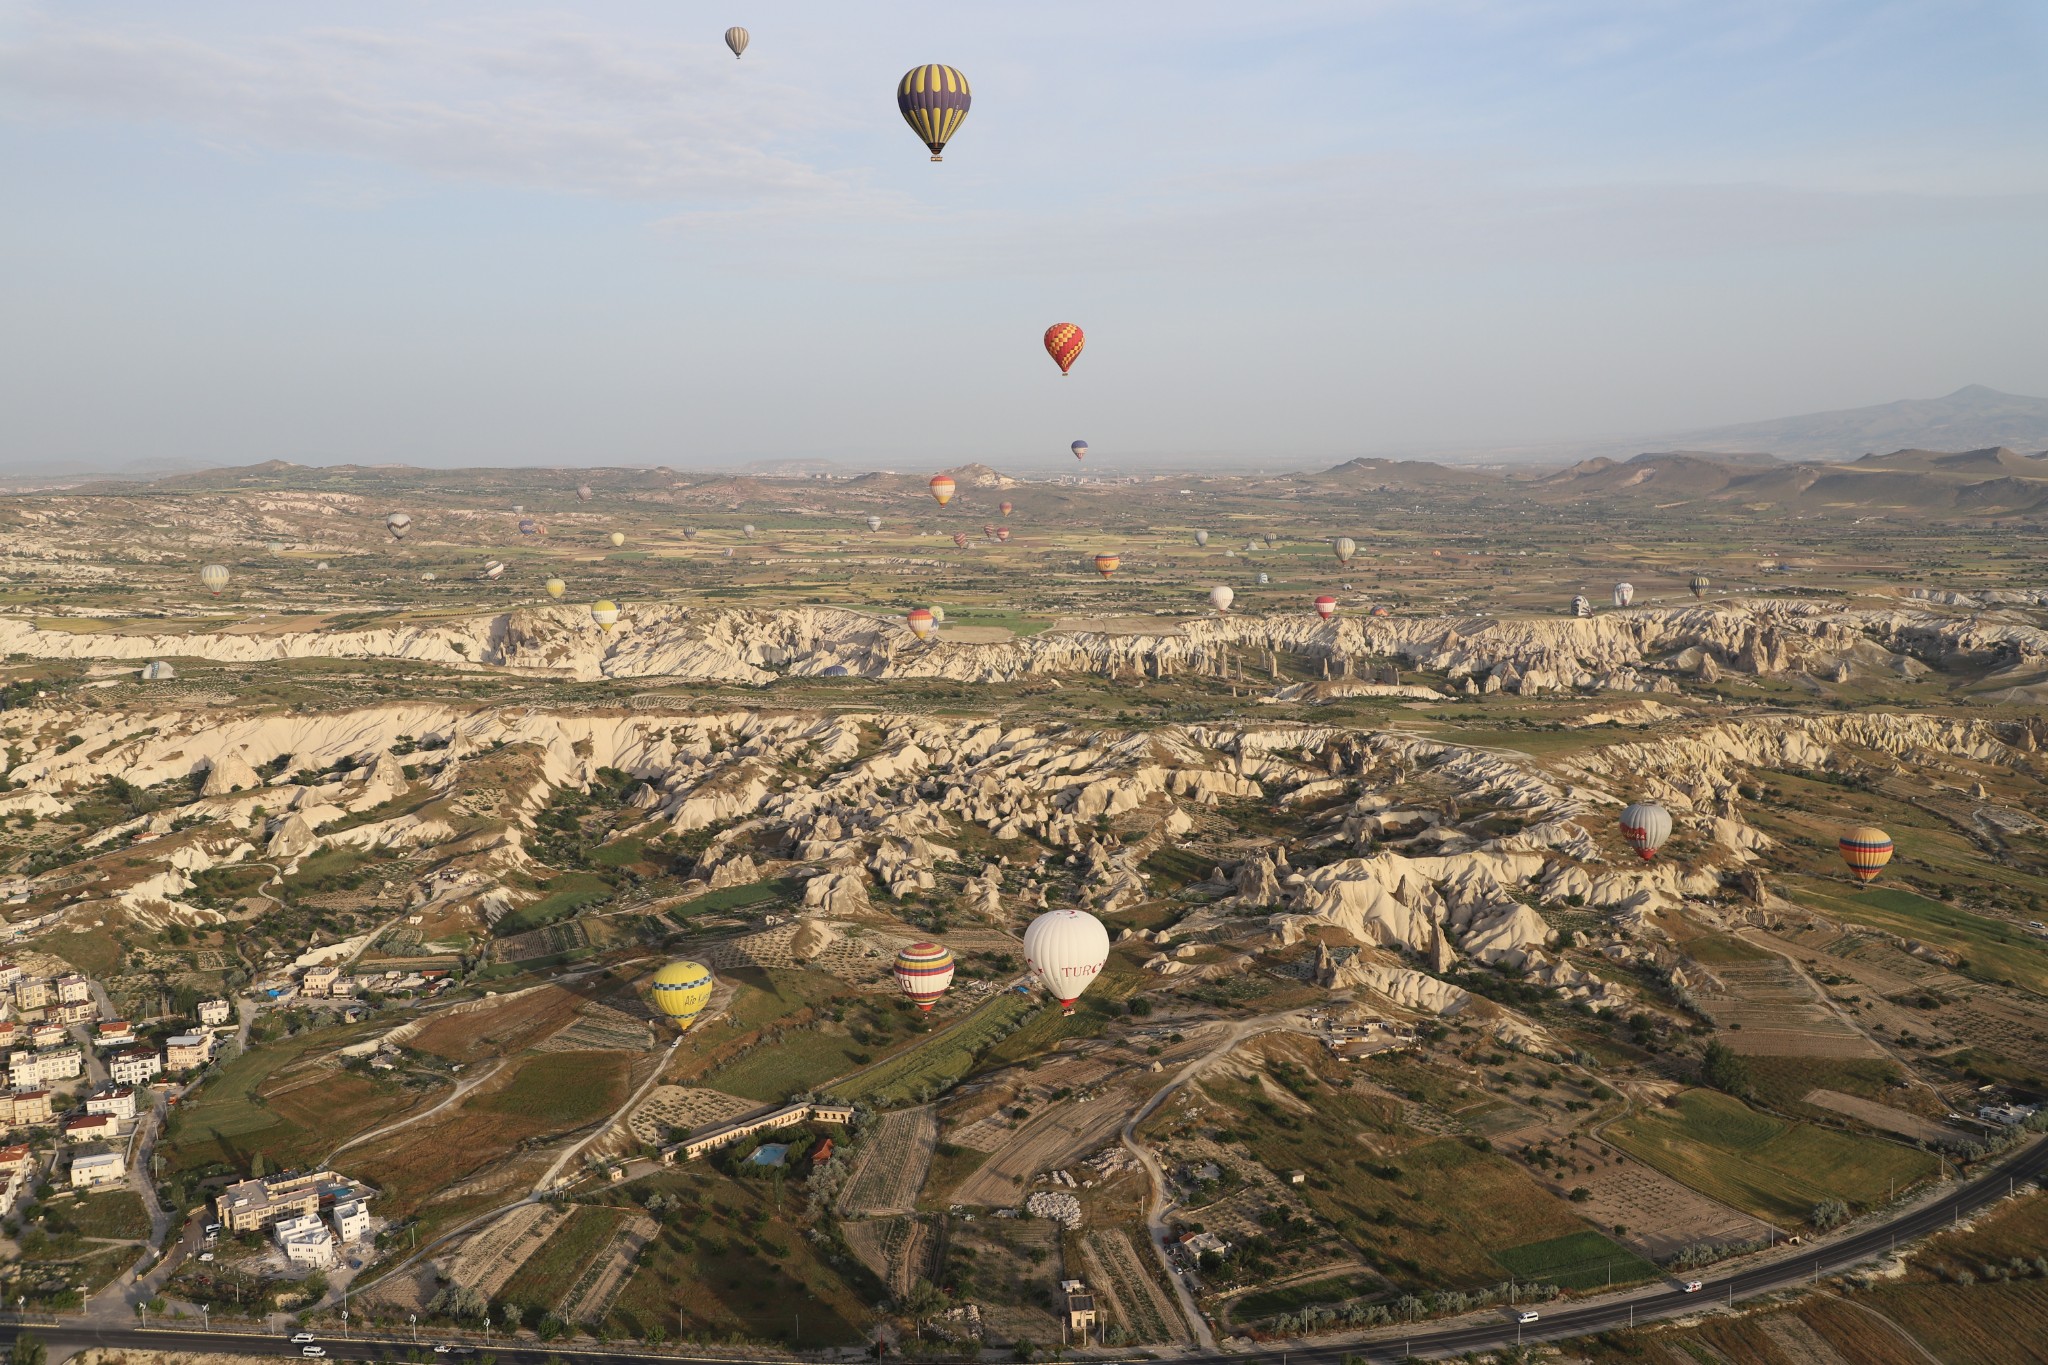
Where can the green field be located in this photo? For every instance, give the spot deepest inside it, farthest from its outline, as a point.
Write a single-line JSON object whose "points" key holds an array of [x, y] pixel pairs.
{"points": [[1764, 1165], [800, 1060], [116, 1213], [566, 894], [1991, 949], [942, 1060], [734, 898], [551, 1272], [1578, 1260]]}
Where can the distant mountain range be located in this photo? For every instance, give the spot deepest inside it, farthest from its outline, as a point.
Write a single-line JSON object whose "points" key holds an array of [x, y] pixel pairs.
{"points": [[1971, 418]]}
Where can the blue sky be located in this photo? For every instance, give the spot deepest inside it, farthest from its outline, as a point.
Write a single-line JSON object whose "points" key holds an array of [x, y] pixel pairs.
{"points": [[1294, 231]]}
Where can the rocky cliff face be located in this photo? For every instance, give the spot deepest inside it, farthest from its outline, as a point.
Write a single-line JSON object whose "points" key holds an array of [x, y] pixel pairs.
{"points": [[1644, 650]]}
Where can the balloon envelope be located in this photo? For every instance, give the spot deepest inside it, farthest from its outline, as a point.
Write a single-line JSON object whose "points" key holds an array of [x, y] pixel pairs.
{"points": [[942, 487], [1201, 537], [1003, 534], [1326, 607], [618, 539], [933, 100], [923, 972], [874, 523], [1063, 342], [736, 39], [1065, 950], [1080, 448], [1107, 564], [682, 989], [1866, 849], [1004, 508], [1646, 825], [1624, 593], [1345, 547], [605, 612], [1220, 597], [1700, 584], [214, 577], [583, 492], [920, 622], [398, 523], [556, 587]]}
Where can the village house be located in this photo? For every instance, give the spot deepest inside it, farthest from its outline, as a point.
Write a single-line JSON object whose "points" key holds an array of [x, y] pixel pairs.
{"points": [[96, 1169], [137, 1066], [117, 1100], [188, 1051], [92, 1128]]}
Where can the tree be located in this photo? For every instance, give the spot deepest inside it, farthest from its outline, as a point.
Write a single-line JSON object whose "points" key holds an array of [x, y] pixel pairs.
{"points": [[1828, 1213], [28, 1350], [1725, 1071]]}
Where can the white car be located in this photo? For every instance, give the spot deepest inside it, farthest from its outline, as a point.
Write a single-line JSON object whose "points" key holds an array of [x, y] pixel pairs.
{"points": [[1528, 1315], [205, 1255], [301, 1338], [312, 1352], [1693, 1286], [442, 1349]]}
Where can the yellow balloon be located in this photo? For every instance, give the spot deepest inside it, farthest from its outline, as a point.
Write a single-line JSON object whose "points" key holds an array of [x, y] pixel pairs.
{"points": [[556, 587], [682, 989]]}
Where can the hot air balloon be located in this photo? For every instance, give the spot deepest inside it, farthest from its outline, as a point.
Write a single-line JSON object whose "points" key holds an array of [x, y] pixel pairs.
{"points": [[1646, 825], [321, 566], [494, 570], [689, 533], [1002, 535], [1264, 579], [1866, 850], [939, 614], [1326, 607], [214, 577], [942, 487], [1080, 448], [1700, 584], [923, 972], [736, 39], [1268, 538], [1381, 611], [1065, 950], [1201, 538], [1581, 606], [682, 989], [1624, 593], [988, 530], [518, 509], [1004, 507], [429, 576], [1345, 547], [920, 622], [398, 524], [618, 539], [959, 540], [1063, 342], [528, 526], [1106, 564], [583, 492], [874, 523], [605, 612], [556, 587], [748, 530], [1220, 597], [933, 101]]}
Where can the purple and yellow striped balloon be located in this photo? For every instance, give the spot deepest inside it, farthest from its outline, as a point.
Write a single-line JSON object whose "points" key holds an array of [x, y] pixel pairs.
{"points": [[923, 972], [1866, 850], [933, 100]]}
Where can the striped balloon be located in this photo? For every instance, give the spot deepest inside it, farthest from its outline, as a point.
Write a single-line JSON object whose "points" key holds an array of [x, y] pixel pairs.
{"points": [[923, 972], [736, 39], [942, 487], [1107, 564], [1866, 850], [933, 100], [1063, 342], [1646, 825]]}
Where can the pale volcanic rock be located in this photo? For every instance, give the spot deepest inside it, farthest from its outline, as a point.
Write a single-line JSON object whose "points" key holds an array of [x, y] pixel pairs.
{"points": [[841, 894], [1408, 989], [227, 774]]}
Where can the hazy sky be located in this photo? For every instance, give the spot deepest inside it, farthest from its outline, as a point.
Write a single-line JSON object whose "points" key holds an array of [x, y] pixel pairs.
{"points": [[462, 233]]}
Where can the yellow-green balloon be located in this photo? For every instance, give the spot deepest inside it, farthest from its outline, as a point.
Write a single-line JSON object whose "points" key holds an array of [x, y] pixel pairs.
{"points": [[682, 989]]}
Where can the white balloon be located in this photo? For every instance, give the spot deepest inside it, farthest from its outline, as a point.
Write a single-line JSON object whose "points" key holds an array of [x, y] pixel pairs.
{"points": [[1220, 597], [1065, 950]]}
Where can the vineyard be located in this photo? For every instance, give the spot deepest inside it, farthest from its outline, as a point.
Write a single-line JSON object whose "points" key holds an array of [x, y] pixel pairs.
{"points": [[941, 1061], [1141, 1307], [891, 1164]]}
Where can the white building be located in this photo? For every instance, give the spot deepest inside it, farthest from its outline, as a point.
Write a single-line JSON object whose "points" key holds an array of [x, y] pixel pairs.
{"points": [[34, 1070], [117, 1100], [188, 1051], [214, 1013], [305, 1242], [137, 1066], [97, 1170], [351, 1220]]}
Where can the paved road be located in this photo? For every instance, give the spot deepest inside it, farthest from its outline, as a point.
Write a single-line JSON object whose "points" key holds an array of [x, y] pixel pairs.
{"points": [[1648, 1305]]}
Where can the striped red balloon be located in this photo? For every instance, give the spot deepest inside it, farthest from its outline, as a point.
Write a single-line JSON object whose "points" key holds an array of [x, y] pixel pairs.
{"points": [[1063, 342]]}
